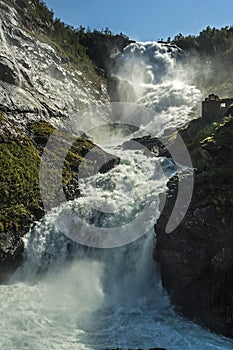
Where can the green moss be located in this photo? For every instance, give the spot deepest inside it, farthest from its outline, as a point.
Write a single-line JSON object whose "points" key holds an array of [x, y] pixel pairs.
{"points": [[20, 161], [41, 131], [19, 185], [41, 128]]}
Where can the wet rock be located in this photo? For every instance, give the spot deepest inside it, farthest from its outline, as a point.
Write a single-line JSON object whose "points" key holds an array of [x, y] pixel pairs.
{"points": [[34, 77], [150, 146], [109, 164], [120, 90], [8, 72], [195, 259], [10, 258], [39, 91]]}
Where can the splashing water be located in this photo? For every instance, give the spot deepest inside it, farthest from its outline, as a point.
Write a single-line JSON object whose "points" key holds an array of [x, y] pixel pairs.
{"points": [[94, 299], [156, 74], [68, 296]]}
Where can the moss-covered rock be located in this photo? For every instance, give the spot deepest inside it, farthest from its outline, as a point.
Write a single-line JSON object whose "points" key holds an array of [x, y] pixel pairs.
{"points": [[19, 195], [20, 198]]}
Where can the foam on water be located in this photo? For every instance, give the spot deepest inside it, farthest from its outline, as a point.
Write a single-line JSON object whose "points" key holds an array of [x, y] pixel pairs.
{"points": [[68, 296], [159, 81], [92, 298]]}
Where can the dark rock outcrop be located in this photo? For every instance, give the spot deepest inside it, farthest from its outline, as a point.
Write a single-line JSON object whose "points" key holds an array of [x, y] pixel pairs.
{"points": [[11, 253], [102, 49], [8, 72], [149, 145], [120, 90], [196, 259]]}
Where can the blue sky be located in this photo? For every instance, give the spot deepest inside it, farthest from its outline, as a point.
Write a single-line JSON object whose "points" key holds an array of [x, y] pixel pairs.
{"points": [[145, 19]]}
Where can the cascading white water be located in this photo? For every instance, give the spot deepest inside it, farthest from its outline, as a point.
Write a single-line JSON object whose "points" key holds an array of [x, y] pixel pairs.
{"points": [[88, 298], [156, 73]]}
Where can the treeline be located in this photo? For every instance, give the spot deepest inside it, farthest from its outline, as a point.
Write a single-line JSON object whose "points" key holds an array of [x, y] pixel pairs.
{"points": [[214, 49], [78, 43], [211, 42]]}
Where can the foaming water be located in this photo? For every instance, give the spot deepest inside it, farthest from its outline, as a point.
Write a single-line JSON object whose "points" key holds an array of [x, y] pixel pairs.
{"points": [[103, 300], [67, 296], [159, 81], [70, 296]]}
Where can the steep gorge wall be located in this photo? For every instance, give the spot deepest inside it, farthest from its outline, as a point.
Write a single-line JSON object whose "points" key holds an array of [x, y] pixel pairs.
{"points": [[41, 87], [196, 259]]}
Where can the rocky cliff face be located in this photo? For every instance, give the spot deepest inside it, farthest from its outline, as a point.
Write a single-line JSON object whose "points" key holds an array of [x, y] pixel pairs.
{"points": [[36, 80], [41, 87], [196, 259]]}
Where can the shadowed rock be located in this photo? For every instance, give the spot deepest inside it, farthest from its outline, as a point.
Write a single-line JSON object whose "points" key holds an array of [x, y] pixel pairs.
{"points": [[196, 259]]}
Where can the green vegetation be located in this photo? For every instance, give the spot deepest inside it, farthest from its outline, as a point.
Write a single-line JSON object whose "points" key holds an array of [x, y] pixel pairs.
{"points": [[98, 43], [214, 48], [40, 133], [211, 150], [77, 46], [20, 161], [19, 186], [210, 42]]}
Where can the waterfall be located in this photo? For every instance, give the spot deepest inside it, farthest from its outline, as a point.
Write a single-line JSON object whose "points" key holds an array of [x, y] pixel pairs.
{"points": [[156, 73], [71, 296]]}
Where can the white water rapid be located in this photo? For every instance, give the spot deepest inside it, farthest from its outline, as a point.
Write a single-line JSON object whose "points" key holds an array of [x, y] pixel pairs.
{"points": [[89, 298]]}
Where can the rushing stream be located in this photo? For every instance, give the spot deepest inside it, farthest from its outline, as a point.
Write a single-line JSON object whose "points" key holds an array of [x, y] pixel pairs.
{"points": [[91, 298]]}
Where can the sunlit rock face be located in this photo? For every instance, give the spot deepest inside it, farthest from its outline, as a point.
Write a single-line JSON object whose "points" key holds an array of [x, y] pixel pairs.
{"points": [[35, 81], [39, 87]]}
